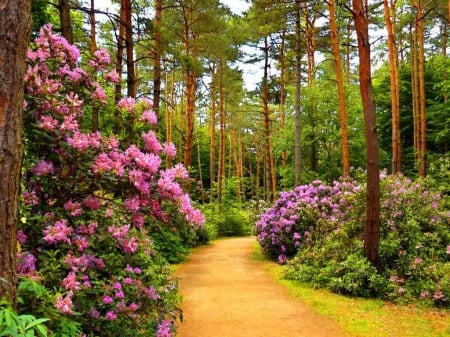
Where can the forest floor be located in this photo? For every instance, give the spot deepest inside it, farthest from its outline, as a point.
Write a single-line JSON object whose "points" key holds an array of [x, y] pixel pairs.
{"points": [[227, 293]]}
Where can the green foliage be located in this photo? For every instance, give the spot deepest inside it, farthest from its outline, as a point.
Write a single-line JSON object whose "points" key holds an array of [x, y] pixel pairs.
{"points": [[13, 324], [227, 220]]}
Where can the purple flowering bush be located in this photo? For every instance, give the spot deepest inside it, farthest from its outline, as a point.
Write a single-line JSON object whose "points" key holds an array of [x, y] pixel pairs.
{"points": [[414, 247], [91, 204], [299, 214]]}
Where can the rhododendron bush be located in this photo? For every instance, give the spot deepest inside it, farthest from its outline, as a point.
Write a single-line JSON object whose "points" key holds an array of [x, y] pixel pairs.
{"points": [[91, 204], [321, 228]]}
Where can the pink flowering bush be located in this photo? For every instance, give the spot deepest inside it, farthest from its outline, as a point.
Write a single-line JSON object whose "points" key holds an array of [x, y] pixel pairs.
{"points": [[91, 204], [413, 247]]}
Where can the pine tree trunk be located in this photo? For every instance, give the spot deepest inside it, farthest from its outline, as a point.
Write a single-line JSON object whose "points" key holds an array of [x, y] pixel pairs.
{"points": [[15, 29], [66, 20], [297, 107], [341, 93], [118, 122], [95, 109], [371, 236], [212, 132], [390, 19], [157, 59], [268, 162], [222, 124]]}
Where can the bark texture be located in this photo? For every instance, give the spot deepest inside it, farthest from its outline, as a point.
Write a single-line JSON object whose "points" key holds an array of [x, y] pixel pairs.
{"points": [[15, 29], [371, 236]]}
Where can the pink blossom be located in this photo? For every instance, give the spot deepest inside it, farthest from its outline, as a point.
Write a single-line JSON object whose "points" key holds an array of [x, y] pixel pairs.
{"points": [[69, 123], [82, 243], [79, 141], [138, 220], [132, 204], [118, 232], [30, 198], [133, 306], [148, 161], [48, 122], [128, 280], [107, 299], [127, 104], [169, 150], [92, 202], [21, 237], [99, 94], [111, 316], [119, 294], [73, 207], [57, 233], [129, 245], [164, 329], [112, 76], [102, 163], [43, 168], [149, 116], [151, 293], [112, 143], [70, 282], [151, 142], [64, 304]]}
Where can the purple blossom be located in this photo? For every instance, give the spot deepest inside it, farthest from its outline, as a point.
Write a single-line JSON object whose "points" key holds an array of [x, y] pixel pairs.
{"points": [[164, 329], [111, 316], [43, 168]]}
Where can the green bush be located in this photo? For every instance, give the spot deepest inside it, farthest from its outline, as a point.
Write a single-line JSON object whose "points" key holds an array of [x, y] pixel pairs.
{"points": [[20, 325], [226, 220]]}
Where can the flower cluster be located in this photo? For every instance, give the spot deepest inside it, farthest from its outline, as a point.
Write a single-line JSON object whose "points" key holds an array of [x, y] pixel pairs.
{"points": [[91, 203], [298, 213]]}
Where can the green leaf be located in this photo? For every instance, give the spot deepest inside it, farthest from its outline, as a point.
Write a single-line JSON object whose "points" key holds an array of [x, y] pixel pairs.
{"points": [[42, 330], [36, 322]]}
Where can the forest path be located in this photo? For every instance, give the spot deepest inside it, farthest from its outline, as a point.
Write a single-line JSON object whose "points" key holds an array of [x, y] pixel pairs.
{"points": [[228, 294]]}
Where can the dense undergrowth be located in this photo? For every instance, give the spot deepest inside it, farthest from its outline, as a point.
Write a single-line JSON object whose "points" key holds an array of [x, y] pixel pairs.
{"points": [[317, 230]]}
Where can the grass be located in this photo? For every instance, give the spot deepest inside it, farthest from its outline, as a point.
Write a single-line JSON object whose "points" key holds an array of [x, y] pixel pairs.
{"points": [[361, 317]]}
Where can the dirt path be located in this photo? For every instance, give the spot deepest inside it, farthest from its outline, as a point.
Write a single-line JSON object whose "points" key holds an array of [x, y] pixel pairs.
{"points": [[228, 294]]}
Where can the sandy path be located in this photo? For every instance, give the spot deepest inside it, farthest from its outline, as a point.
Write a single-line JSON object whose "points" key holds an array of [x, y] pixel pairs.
{"points": [[228, 294]]}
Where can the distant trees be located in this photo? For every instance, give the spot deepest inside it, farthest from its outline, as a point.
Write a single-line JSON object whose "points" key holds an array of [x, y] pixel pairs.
{"points": [[303, 119]]}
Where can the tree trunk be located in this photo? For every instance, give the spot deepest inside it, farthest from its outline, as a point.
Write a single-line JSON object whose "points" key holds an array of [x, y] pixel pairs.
{"points": [[191, 86], [157, 60], [95, 109], [131, 73], [212, 132], [283, 93], [341, 93], [222, 125], [118, 123], [422, 98], [66, 21], [390, 19], [268, 161], [371, 236], [15, 29], [297, 107]]}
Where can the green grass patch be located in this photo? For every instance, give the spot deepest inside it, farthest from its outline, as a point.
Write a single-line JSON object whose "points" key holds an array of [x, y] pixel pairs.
{"points": [[361, 317]]}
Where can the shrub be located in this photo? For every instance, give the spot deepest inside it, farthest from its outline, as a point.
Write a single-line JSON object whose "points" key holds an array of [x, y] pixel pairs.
{"points": [[414, 244], [92, 203], [299, 214]]}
